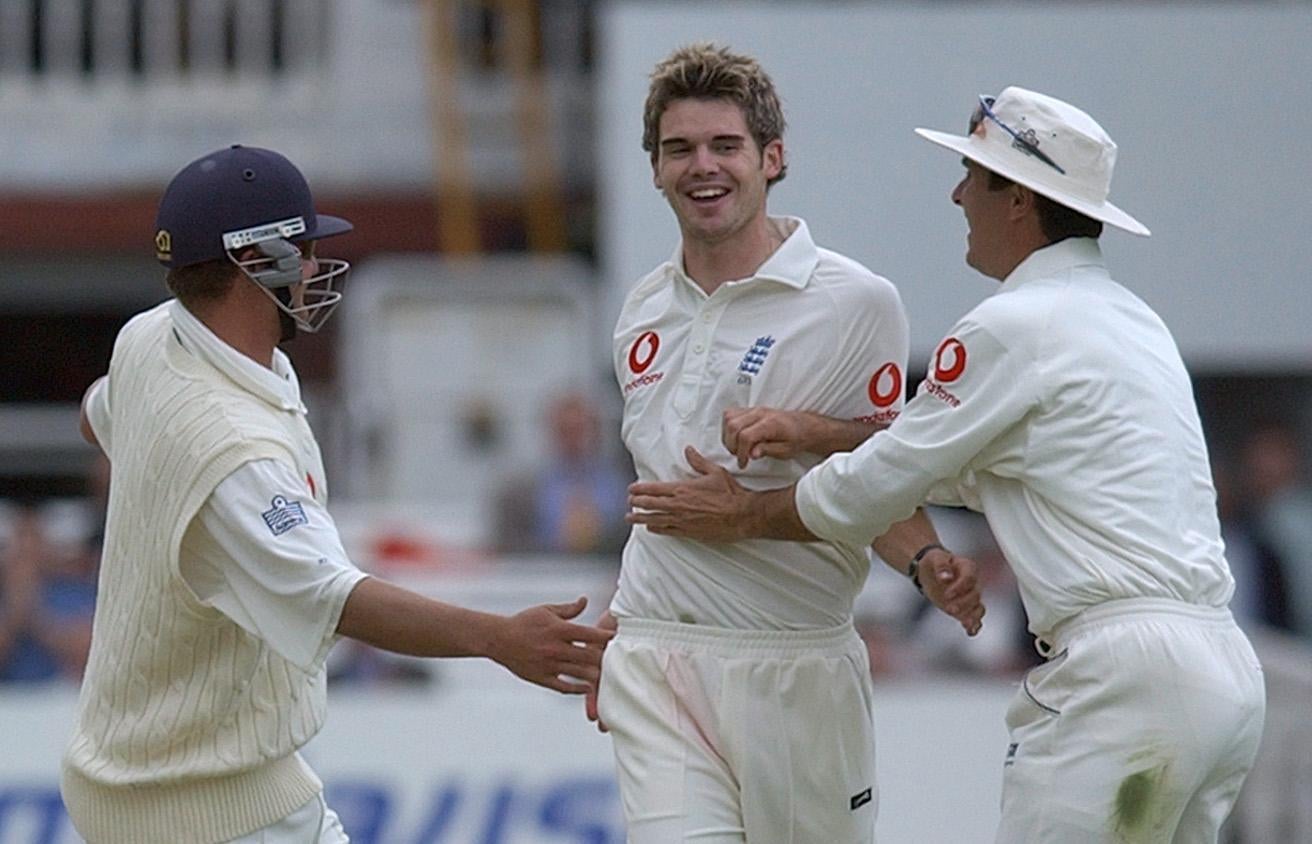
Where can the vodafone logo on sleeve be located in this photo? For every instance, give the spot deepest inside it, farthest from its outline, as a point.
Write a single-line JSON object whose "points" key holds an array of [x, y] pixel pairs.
{"points": [[949, 360], [949, 364], [884, 389], [885, 385], [641, 355], [643, 351]]}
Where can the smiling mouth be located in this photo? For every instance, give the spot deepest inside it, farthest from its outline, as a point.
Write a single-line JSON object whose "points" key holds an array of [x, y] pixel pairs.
{"points": [[707, 194]]}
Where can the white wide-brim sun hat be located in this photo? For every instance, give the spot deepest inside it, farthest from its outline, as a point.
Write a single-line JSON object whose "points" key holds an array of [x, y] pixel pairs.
{"points": [[1019, 129]]}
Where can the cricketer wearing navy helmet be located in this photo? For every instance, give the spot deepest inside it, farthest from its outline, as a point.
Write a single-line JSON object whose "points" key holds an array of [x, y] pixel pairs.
{"points": [[223, 580]]}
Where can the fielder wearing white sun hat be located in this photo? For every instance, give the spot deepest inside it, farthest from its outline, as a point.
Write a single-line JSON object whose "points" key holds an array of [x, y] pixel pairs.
{"points": [[1049, 146]]}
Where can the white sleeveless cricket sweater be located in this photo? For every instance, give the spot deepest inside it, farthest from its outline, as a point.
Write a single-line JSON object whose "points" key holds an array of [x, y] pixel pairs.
{"points": [[187, 725]]}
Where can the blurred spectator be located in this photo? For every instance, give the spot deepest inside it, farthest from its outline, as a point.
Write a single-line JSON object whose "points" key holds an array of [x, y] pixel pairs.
{"points": [[24, 656], [48, 589], [1259, 597], [68, 592], [575, 504], [1281, 504]]}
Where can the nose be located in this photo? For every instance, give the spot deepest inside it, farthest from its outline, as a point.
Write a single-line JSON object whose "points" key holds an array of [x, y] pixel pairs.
{"points": [[703, 161], [309, 267], [956, 192]]}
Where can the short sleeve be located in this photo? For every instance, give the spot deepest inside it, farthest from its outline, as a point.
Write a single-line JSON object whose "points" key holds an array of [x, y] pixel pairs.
{"points": [[265, 554], [96, 406]]}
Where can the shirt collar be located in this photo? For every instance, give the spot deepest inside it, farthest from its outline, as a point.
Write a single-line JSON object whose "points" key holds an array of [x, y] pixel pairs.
{"points": [[1054, 259], [791, 264], [278, 386]]}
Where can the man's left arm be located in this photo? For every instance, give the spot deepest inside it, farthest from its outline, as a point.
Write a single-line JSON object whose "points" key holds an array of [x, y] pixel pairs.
{"points": [[94, 420], [857, 381], [751, 433], [715, 508]]}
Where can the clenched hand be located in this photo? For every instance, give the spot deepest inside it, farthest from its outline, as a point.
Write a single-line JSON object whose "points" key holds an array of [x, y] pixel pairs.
{"points": [[750, 433], [951, 585]]}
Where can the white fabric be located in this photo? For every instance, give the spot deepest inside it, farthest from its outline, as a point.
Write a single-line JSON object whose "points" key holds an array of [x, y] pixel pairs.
{"points": [[1070, 423], [96, 406], [278, 386], [282, 587], [809, 331], [1141, 729], [725, 737], [313, 823], [1070, 138]]}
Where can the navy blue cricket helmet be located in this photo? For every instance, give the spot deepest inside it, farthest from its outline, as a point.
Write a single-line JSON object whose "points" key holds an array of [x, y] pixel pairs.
{"points": [[250, 206]]}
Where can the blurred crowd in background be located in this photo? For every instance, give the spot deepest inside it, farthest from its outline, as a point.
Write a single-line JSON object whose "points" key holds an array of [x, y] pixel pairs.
{"points": [[510, 86], [573, 505]]}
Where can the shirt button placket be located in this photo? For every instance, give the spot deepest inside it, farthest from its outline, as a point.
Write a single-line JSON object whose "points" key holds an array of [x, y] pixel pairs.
{"points": [[694, 371]]}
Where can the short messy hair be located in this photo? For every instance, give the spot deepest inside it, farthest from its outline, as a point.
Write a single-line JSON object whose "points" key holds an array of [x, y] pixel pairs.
{"points": [[199, 284], [706, 71]]}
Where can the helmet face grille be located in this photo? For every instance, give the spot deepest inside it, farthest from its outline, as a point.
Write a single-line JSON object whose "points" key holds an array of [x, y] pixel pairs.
{"points": [[309, 301]]}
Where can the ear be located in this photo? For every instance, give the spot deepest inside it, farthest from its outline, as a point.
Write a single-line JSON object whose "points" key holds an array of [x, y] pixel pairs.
{"points": [[656, 170], [1023, 202], [772, 158]]}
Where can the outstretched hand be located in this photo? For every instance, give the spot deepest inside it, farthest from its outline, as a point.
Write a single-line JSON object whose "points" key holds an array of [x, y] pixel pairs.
{"points": [[542, 646], [950, 583], [708, 507]]}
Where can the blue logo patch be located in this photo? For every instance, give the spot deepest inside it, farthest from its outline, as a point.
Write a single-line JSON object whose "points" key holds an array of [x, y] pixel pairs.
{"points": [[284, 515], [755, 356]]}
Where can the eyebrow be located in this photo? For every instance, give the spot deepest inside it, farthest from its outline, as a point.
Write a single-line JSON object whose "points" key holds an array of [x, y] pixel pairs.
{"points": [[680, 140]]}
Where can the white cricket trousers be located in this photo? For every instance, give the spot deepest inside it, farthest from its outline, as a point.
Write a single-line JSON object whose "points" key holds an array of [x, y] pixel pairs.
{"points": [[313, 823], [1141, 728], [730, 736]]}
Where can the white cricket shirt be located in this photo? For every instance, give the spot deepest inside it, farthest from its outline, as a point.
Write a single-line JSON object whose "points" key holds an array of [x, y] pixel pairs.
{"points": [[262, 549], [1060, 408], [811, 330]]}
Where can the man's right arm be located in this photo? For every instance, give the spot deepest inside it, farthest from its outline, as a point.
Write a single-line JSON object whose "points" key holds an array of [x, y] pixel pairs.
{"points": [[857, 380], [267, 555], [539, 644]]}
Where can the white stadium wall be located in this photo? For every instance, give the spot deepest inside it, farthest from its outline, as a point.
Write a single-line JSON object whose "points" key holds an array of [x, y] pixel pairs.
{"points": [[1209, 104], [497, 762]]}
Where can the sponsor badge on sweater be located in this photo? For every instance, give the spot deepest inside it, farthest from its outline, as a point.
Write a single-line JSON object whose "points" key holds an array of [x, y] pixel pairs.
{"points": [[284, 515]]}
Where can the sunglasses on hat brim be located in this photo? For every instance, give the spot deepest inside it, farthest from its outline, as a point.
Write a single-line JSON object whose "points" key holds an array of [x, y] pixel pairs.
{"points": [[1029, 146]]}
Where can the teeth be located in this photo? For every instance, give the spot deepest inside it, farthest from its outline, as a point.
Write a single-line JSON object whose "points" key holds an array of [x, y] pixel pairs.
{"points": [[707, 193]]}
